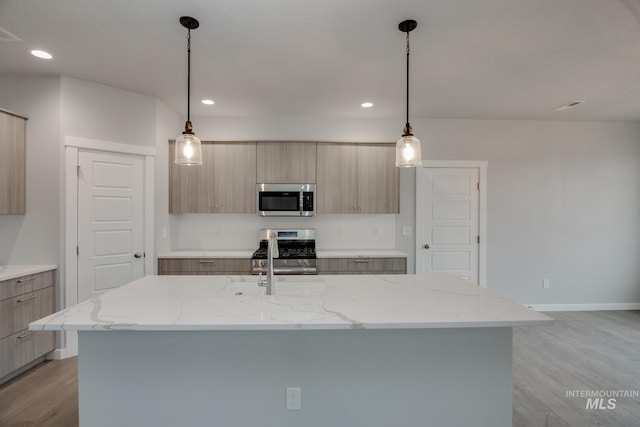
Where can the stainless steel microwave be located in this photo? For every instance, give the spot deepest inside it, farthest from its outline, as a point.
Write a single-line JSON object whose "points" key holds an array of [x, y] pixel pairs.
{"points": [[286, 199]]}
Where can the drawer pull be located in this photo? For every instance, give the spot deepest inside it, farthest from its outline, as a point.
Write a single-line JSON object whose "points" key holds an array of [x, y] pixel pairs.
{"points": [[361, 261], [27, 299], [21, 337], [206, 261], [28, 279]]}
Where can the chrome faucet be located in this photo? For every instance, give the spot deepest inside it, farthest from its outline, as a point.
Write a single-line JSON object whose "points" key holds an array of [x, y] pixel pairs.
{"points": [[272, 252]]}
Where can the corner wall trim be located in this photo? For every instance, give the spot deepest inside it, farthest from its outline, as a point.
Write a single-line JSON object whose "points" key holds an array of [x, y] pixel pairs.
{"points": [[585, 307], [58, 354]]}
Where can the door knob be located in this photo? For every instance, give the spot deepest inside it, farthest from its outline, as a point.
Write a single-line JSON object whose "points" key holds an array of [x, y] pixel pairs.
{"points": [[426, 246], [137, 255]]}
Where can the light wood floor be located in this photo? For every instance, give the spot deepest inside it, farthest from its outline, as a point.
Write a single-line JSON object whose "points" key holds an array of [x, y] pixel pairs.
{"points": [[595, 351], [582, 351]]}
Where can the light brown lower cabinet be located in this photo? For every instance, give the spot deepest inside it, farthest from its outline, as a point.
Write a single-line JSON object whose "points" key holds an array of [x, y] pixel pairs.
{"points": [[234, 266], [362, 265], [23, 300]]}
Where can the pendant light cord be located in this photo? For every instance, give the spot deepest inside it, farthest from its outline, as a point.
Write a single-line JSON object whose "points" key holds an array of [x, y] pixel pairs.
{"points": [[189, 76], [408, 127]]}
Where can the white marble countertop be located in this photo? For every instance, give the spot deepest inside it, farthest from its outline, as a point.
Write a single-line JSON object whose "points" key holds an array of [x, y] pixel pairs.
{"points": [[214, 303], [351, 253], [207, 254], [8, 272]]}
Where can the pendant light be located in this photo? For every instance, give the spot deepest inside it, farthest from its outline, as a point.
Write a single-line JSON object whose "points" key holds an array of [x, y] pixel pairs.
{"points": [[408, 147], [188, 147]]}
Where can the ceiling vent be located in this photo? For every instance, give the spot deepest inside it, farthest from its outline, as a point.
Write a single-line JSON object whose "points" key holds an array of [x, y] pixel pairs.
{"points": [[567, 106], [6, 36]]}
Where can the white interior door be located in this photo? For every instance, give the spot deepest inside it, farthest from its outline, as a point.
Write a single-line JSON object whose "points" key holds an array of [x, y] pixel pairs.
{"points": [[447, 221], [110, 221]]}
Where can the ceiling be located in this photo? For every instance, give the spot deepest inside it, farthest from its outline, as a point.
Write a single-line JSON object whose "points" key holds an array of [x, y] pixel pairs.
{"points": [[478, 59]]}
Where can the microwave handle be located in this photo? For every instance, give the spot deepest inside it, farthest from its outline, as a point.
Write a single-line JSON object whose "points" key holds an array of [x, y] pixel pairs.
{"points": [[301, 201]]}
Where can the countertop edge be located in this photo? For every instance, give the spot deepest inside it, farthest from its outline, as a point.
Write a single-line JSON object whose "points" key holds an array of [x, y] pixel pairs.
{"points": [[248, 253], [9, 272], [38, 326]]}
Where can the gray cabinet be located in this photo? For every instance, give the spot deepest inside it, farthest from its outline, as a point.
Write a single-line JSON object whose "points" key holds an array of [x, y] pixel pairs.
{"points": [[23, 300], [201, 266], [286, 162], [357, 178], [224, 183], [362, 265], [13, 166]]}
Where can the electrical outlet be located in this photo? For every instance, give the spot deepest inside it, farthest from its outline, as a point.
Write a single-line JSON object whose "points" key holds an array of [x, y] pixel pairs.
{"points": [[293, 398], [406, 230], [546, 284]]}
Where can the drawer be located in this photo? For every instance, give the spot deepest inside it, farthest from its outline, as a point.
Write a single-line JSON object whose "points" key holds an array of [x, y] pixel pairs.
{"points": [[16, 313], [362, 265], [224, 266], [177, 265], [204, 266], [22, 285], [20, 348]]}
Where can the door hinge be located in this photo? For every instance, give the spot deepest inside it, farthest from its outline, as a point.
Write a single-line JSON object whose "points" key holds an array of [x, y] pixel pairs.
{"points": [[478, 186], [478, 239], [77, 250], [78, 170]]}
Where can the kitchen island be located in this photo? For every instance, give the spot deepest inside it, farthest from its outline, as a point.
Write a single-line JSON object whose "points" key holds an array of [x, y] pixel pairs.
{"points": [[405, 350]]}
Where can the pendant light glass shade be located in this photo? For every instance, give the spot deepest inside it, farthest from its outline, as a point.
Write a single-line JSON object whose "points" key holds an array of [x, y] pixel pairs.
{"points": [[188, 150], [188, 146], [408, 152]]}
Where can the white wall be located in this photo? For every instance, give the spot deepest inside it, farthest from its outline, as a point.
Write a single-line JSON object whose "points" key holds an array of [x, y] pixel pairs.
{"points": [[59, 107], [34, 238], [95, 111], [563, 200], [563, 197]]}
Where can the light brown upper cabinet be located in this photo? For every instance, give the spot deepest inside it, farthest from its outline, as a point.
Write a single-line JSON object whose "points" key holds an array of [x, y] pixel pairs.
{"points": [[224, 183], [357, 178], [13, 163], [286, 162]]}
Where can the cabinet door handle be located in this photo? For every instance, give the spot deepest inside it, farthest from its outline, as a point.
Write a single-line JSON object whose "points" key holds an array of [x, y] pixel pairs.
{"points": [[207, 261], [27, 299], [21, 337], [27, 279], [361, 261]]}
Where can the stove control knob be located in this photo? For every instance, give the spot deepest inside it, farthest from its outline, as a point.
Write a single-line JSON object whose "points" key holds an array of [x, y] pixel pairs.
{"points": [[306, 263], [284, 263], [261, 263], [299, 263]]}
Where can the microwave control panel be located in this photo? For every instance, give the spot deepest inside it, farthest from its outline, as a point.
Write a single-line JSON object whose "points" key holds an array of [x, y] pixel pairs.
{"points": [[307, 201]]}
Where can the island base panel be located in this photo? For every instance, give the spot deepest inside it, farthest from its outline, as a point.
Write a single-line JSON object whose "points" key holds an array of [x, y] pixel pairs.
{"points": [[367, 378]]}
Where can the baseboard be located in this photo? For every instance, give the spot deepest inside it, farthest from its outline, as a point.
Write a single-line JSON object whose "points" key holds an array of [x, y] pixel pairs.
{"points": [[585, 307], [57, 354]]}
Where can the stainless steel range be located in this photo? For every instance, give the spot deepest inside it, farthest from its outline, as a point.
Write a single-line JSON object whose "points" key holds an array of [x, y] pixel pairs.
{"points": [[296, 255]]}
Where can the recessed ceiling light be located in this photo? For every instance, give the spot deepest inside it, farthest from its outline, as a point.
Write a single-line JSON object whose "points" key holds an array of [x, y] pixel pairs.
{"points": [[41, 54], [567, 106], [207, 102], [366, 104]]}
